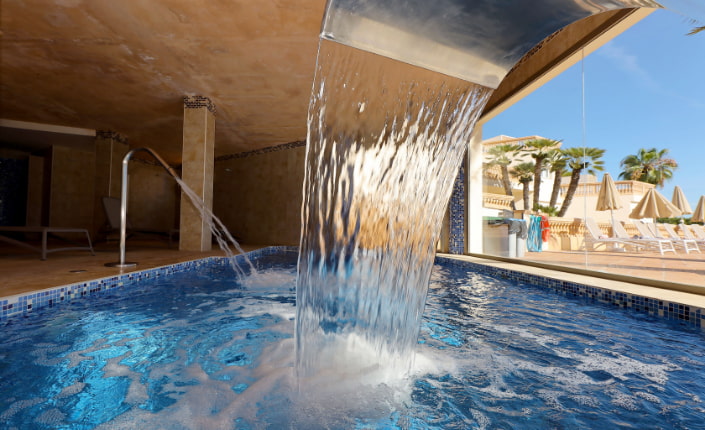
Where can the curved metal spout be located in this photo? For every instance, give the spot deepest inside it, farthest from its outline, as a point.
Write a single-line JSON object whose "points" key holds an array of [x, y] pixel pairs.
{"points": [[123, 201], [474, 40]]}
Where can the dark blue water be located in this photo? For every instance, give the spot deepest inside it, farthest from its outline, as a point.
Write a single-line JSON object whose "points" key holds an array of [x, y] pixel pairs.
{"points": [[202, 351]]}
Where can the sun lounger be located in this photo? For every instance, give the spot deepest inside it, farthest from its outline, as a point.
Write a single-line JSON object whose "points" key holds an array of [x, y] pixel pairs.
{"points": [[111, 205], [685, 244], [647, 237], [621, 233], [698, 230], [691, 233], [594, 236], [45, 232]]}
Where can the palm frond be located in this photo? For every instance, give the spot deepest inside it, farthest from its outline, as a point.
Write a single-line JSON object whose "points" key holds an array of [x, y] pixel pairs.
{"points": [[696, 30]]}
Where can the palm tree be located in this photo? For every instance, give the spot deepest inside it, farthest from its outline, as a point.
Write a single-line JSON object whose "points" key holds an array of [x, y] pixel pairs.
{"points": [[524, 172], [539, 150], [501, 155], [580, 159], [557, 163], [648, 165]]}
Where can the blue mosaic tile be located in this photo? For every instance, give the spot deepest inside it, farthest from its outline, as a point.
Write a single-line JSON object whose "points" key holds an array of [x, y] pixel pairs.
{"points": [[22, 304], [26, 303], [456, 208], [668, 310]]}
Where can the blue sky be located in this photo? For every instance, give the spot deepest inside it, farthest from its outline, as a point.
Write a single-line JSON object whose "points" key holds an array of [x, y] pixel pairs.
{"points": [[644, 89]]}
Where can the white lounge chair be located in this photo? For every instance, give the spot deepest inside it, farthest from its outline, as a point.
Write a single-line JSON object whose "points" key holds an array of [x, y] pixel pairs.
{"points": [[647, 237], [595, 236], [621, 233], [698, 230], [111, 205], [686, 244], [43, 250], [691, 234]]}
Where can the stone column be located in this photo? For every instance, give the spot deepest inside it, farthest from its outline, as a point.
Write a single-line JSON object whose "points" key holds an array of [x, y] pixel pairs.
{"points": [[110, 149], [473, 192], [197, 171]]}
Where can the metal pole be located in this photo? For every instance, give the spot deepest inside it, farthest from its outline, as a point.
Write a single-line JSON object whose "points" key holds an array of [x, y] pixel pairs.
{"points": [[123, 203]]}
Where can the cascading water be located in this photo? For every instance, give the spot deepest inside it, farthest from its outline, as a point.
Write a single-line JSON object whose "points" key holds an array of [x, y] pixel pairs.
{"points": [[218, 229], [385, 141]]}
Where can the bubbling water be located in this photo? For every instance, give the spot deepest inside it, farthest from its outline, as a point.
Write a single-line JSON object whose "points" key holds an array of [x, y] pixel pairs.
{"points": [[385, 142]]}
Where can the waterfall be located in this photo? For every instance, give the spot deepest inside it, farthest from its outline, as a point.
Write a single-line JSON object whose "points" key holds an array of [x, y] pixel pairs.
{"points": [[218, 230], [385, 142]]}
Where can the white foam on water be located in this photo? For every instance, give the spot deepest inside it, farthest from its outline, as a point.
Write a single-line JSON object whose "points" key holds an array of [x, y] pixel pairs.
{"points": [[623, 400], [588, 401], [619, 366], [275, 396], [270, 280], [256, 307], [551, 398], [482, 421], [648, 397]]}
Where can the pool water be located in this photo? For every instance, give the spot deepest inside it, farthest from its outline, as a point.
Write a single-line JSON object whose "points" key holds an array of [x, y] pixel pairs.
{"points": [[201, 350]]}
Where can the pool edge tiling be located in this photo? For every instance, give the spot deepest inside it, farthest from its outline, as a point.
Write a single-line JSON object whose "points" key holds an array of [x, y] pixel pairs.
{"points": [[653, 301], [25, 303], [664, 304]]}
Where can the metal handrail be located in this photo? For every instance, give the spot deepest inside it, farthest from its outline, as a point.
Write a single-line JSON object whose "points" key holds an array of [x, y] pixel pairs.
{"points": [[123, 201]]}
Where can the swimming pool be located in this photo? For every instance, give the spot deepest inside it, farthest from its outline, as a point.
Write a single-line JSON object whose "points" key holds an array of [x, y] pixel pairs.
{"points": [[199, 350]]}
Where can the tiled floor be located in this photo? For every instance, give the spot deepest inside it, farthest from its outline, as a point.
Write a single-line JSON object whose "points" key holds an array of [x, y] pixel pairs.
{"points": [[679, 268], [23, 271]]}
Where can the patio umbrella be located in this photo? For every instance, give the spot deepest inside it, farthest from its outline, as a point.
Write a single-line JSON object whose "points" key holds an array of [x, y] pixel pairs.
{"points": [[699, 212], [608, 197], [680, 201], [654, 205]]}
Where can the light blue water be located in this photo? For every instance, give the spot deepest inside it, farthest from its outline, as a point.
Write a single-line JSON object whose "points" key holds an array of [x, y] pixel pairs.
{"points": [[201, 351]]}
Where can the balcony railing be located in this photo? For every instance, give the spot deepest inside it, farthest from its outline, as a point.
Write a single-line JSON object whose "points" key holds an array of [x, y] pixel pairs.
{"points": [[624, 187], [497, 201]]}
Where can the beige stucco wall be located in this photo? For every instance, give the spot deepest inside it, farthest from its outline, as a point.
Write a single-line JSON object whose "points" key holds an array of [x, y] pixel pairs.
{"points": [[72, 188], [109, 152], [74, 201], [258, 197], [153, 200]]}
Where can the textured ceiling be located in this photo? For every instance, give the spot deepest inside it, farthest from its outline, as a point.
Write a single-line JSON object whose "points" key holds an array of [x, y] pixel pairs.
{"points": [[125, 66]]}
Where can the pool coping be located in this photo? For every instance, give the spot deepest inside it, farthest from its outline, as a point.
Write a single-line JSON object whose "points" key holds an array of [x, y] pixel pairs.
{"points": [[681, 306], [684, 307], [25, 303]]}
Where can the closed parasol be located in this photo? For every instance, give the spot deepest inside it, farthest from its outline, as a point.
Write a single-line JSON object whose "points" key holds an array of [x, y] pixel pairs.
{"points": [[680, 201], [654, 205], [699, 212], [608, 197]]}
